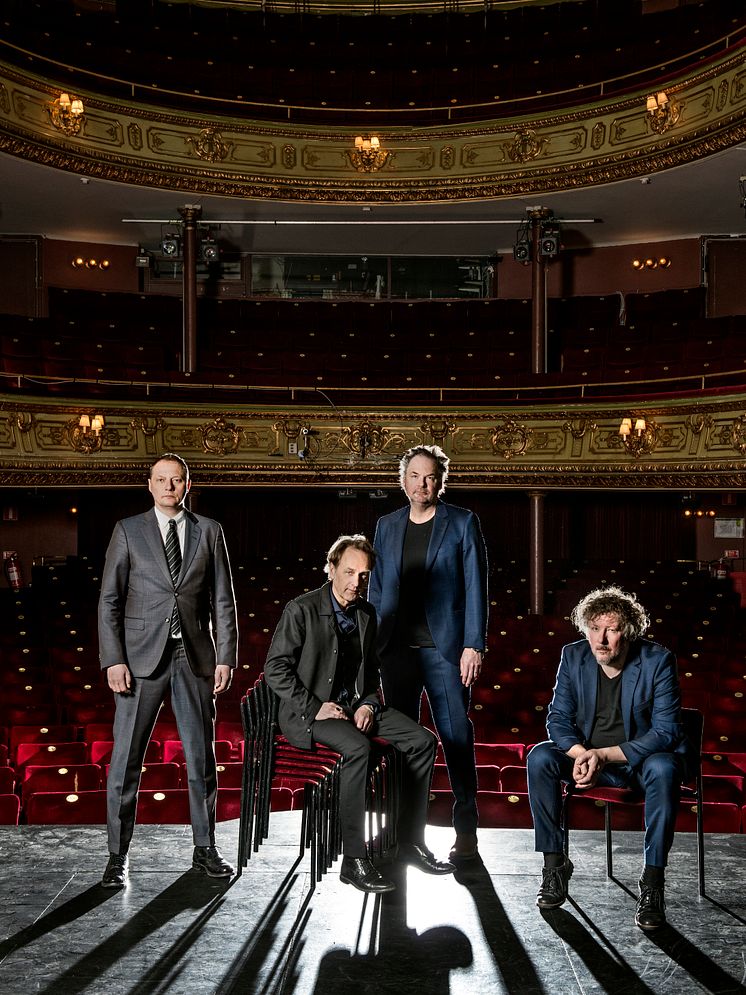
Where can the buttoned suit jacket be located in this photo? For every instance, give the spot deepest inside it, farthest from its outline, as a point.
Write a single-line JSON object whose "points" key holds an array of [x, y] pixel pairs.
{"points": [[138, 597], [455, 580], [650, 701], [302, 661]]}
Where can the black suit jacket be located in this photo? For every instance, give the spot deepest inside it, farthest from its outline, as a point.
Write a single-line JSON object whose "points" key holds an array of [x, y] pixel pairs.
{"points": [[302, 661]]}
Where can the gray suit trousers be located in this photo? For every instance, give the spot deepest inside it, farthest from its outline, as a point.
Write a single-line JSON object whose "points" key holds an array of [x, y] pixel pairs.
{"points": [[193, 702]]}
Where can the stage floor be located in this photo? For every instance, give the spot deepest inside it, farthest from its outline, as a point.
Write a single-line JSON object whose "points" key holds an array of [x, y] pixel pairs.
{"points": [[173, 930]]}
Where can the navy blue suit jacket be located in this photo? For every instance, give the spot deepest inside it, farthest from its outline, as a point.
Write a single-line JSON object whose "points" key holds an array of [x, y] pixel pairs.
{"points": [[650, 701], [456, 579]]}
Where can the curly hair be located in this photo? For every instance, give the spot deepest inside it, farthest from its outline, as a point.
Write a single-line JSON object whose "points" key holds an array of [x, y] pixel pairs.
{"points": [[634, 620], [436, 454]]}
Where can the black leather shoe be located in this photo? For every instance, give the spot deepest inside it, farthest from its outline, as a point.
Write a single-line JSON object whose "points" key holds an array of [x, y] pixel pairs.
{"points": [[116, 873], [210, 860], [553, 891], [651, 907], [361, 874], [418, 855]]}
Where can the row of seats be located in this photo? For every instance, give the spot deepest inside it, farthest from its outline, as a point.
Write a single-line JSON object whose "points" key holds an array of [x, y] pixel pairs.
{"points": [[383, 62]]}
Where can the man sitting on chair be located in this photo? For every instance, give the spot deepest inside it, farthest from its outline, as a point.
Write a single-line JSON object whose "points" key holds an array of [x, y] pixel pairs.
{"points": [[614, 720], [323, 666]]}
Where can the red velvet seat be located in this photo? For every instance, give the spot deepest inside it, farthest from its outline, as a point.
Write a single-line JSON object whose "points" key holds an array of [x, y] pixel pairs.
{"points": [[500, 754], [40, 734], [724, 788], [66, 808], [717, 817], [50, 754], [230, 775], [66, 778], [10, 808], [173, 751], [100, 751], [504, 809], [513, 779], [7, 780], [158, 776], [169, 806], [228, 805]]}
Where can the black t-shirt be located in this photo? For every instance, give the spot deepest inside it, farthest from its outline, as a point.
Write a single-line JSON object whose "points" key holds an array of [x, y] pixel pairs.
{"points": [[411, 620], [608, 727]]}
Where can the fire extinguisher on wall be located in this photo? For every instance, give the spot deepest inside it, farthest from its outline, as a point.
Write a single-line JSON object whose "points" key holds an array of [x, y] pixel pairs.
{"points": [[13, 571]]}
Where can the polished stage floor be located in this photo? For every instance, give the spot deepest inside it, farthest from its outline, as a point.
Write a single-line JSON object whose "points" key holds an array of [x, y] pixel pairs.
{"points": [[175, 931]]}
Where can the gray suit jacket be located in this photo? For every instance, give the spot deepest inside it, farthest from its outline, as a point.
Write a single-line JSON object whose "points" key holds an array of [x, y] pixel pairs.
{"points": [[138, 597], [302, 661]]}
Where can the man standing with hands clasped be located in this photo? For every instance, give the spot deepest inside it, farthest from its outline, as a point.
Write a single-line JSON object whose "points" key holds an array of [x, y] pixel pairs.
{"points": [[167, 624], [429, 589]]}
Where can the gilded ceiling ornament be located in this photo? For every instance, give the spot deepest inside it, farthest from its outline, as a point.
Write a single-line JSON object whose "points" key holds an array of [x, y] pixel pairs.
{"points": [[698, 422], [738, 435], [438, 429], [577, 427], [291, 428], [509, 438], [368, 439], [134, 134], [143, 424], [598, 135], [220, 438], [525, 146], [289, 156], [23, 420], [447, 157], [4, 99], [209, 145], [722, 94]]}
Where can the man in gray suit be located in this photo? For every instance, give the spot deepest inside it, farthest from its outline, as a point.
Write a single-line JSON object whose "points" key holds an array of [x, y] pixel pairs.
{"points": [[167, 623], [324, 668]]}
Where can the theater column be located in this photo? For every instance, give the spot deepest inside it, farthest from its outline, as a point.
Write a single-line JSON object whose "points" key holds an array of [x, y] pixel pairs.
{"points": [[536, 552], [191, 214]]}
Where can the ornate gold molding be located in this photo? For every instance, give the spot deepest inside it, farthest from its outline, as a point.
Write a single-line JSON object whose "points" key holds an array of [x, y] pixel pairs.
{"points": [[231, 156], [693, 444]]}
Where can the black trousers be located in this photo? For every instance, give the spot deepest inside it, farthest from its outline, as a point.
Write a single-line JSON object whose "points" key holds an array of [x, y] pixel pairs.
{"points": [[418, 747]]}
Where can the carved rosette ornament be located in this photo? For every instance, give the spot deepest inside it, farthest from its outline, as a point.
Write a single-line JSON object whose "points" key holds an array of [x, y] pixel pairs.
{"points": [[148, 428], [510, 438], [525, 146], [209, 145], [368, 439], [220, 438]]}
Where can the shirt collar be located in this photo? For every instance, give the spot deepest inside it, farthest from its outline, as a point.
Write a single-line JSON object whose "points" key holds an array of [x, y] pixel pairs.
{"points": [[163, 520], [338, 609]]}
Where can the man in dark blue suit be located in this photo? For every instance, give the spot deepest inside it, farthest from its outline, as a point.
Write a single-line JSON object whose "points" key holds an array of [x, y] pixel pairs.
{"points": [[429, 589], [614, 720]]}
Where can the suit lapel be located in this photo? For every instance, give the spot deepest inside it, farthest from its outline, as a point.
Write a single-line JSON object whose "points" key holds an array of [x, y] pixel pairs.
{"points": [[192, 534], [589, 679], [440, 527], [398, 529], [630, 677]]}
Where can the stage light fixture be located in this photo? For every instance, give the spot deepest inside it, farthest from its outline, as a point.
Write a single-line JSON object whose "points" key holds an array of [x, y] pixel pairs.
{"points": [[171, 246]]}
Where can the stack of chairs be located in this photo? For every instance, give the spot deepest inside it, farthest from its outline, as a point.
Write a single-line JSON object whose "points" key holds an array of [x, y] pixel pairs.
{"points": [[271, 763]]}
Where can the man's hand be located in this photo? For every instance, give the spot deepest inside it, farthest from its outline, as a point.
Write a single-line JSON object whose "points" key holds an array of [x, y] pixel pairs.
{"points": [[223, 678], [330, 710], [471, 666], [588, 765], [364, 716], [119, 678]]}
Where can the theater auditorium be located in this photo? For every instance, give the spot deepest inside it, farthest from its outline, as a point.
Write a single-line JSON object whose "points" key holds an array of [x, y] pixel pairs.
{"points": [[290, 241]]}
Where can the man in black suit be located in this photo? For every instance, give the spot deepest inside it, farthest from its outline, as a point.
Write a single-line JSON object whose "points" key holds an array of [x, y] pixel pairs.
{"points": [[323, 666], [167, 624]]}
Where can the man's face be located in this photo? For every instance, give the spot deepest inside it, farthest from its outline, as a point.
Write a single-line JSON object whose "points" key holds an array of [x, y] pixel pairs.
{"points": [[350, 577], [422, 482], [607, 643], [169, 487]]}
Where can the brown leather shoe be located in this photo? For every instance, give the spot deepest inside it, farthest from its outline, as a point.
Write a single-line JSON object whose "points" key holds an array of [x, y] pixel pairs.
{"points": [[465, 847]]}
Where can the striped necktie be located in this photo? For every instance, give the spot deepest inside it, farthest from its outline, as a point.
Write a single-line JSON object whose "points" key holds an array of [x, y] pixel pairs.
{"points": [[173, 555]]}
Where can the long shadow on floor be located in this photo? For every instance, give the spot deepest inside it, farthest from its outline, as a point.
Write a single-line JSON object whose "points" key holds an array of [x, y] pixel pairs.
{"points": [[699, 966], [600, 956], [392, 956], [511, 959], [190, 892], [74, 908]]}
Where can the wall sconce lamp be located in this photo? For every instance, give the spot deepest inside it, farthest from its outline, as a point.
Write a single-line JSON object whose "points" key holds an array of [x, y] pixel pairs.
{"points": [[368, 156], [86, 433], [66, 114], [662, 262], [638, 435], [663, 113], [80, 262]]}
